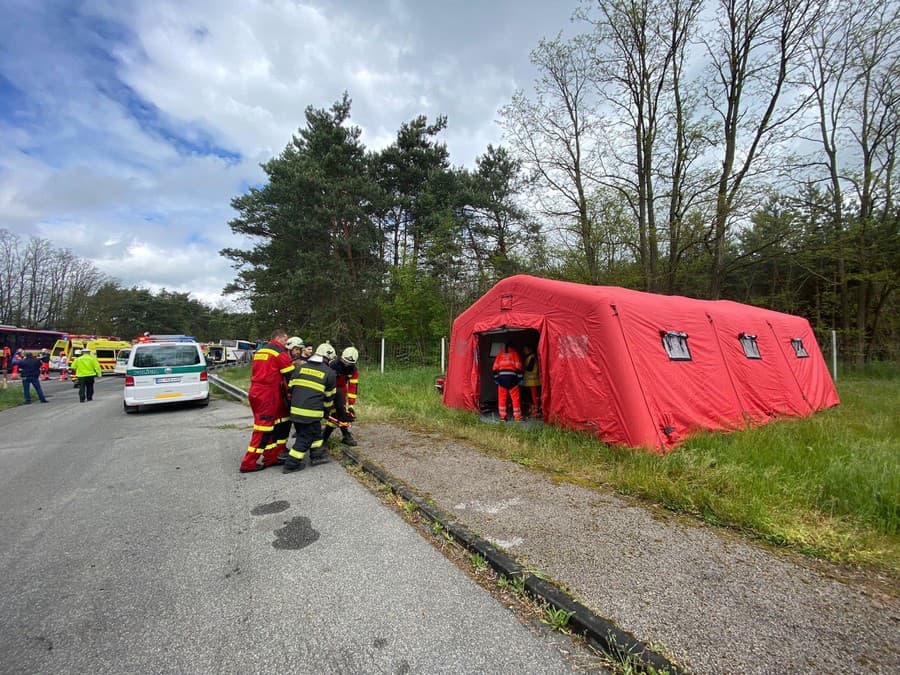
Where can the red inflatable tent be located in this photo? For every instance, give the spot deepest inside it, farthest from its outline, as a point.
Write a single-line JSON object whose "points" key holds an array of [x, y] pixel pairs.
{"points": [[640, 369]]}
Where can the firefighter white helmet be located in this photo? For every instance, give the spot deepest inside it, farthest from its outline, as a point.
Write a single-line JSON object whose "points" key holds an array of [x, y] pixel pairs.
{"points": [[350, 356], [325, 349], [293, 342]]}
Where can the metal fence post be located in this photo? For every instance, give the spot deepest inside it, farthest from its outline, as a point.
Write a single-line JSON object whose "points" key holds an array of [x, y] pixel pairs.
{"points": [[442, 353], [382, 356], [834, 353]]}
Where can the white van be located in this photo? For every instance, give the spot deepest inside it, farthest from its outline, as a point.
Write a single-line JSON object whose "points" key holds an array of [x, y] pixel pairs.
{"points": [[165, 372], [122, 361]]}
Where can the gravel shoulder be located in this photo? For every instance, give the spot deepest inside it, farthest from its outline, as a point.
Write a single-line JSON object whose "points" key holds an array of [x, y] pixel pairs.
{"points": [[712, 601]]}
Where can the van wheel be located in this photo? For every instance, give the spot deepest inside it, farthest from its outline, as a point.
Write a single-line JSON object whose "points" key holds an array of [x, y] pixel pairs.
{"points": [[203, 403], [129, 409]]}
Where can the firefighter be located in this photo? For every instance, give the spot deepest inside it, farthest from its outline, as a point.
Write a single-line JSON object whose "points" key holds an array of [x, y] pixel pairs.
{"points": [[296, 347], [507, 371], [343, 412], [270, 371], [312, 388]]}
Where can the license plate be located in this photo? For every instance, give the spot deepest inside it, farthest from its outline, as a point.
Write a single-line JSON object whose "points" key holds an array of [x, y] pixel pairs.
{"points": [[166, 380]]}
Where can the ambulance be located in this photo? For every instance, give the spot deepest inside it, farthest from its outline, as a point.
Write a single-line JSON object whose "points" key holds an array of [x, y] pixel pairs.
{"points": [[105, 348]]}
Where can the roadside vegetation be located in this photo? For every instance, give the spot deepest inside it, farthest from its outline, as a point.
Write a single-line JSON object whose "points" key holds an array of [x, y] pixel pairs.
{"points": [[827, 486], [11, 396]]}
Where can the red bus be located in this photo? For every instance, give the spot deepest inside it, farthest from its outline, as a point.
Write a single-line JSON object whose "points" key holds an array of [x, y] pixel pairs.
{"points": [[28, 339]]}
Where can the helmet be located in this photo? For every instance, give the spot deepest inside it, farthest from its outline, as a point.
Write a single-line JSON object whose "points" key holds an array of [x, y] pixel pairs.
{"points": [[77, 352], [293, 342], [325, 349], [350, 355]]}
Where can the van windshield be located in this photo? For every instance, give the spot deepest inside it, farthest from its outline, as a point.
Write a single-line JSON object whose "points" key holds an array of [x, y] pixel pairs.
{"points": [[158, 356]]}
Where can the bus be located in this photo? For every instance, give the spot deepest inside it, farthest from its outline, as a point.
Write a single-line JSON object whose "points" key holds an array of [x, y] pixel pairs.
{"points": [[27, 339]]}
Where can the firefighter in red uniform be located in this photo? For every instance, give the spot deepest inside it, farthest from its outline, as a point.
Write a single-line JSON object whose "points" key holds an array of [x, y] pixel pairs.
{"points": [[343, 412], [270, 372], [507, 374]]}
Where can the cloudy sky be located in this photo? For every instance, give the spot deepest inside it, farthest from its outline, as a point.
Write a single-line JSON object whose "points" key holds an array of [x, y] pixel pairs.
{"points": [[126, 126]]}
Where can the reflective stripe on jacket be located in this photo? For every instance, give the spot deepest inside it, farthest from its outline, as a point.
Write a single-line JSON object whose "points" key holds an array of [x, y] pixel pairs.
{"points": [[86, 365], [312, 388], [508, 363], [271, 364]]}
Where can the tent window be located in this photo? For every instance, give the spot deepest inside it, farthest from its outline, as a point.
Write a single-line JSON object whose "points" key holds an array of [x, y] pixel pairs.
{"points": [[799, 349], [751, 349], [506, 302], [676, 345]]}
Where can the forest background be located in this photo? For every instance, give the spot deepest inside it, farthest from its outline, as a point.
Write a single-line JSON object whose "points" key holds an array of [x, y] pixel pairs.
{"points": [[709, 148]]}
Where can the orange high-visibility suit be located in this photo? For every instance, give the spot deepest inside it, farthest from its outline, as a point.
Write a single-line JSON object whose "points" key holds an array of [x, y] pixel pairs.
{"points": [[507, 374]]}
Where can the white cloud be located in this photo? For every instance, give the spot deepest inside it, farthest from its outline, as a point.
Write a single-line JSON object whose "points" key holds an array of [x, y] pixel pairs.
{"points": [[127, 127]]}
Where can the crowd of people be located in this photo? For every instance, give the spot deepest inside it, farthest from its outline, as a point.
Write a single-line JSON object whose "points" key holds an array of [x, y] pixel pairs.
{"points": [[312, 390], [32, 368]]}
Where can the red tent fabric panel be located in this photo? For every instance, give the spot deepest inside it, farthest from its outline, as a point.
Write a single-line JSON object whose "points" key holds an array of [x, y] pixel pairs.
{"points": [[810, 373], [766, 387], [604, 368], [682, 395]]}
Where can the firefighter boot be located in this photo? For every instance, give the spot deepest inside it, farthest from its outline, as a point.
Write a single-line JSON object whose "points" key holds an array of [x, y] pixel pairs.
{"points": [[319, 456], [348, 438], [295, 461], [292, 464]]}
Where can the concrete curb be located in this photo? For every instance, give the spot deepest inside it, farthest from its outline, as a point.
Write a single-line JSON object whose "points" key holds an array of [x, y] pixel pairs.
{"points": [[599, 632]]}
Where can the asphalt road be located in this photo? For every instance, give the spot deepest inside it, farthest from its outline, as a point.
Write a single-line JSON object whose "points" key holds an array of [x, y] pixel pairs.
{"points": [[130, 543]]}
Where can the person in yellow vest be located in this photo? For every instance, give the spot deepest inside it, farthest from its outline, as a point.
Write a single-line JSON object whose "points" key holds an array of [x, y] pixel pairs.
{"points": [[86, 367], [532, 379]]}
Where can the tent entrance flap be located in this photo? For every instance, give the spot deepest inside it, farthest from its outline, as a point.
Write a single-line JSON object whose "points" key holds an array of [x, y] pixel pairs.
{"points": [[490, 342]]}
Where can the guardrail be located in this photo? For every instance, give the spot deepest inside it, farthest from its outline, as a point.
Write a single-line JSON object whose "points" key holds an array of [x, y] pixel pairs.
{"points": [[228, 388]]}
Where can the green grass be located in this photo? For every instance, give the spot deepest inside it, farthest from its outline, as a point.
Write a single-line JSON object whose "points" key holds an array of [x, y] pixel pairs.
{"points": [[12, 395], [827, 486]]}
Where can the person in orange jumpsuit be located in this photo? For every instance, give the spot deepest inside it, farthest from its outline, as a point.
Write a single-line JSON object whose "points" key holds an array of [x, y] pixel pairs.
{"points": [[270, 371], [508, 372]]}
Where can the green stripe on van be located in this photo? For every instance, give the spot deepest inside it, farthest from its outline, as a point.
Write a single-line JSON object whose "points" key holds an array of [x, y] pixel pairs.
{"points": [[169, 370]]}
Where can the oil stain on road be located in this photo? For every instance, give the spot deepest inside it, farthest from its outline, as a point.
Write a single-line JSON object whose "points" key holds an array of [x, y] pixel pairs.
{"points": [[297, 533]]}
